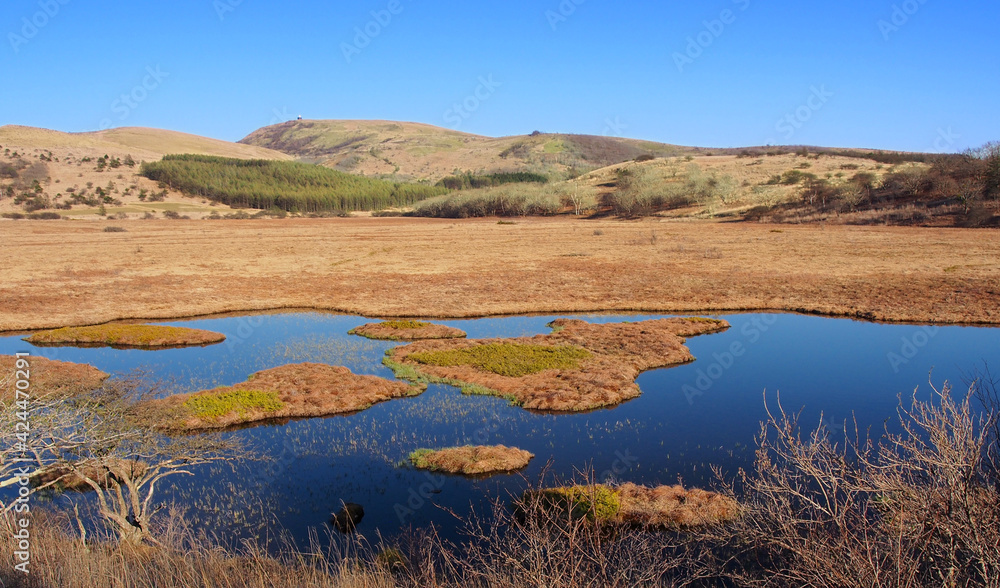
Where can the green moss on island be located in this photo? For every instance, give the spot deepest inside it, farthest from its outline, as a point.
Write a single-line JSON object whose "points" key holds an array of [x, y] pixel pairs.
{"points": [[507, 359], [214, 405]]}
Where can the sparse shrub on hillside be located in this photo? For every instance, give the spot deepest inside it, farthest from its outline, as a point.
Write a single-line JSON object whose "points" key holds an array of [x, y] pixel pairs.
{"points": [[519, 150], [470, 181], [508, 200], [644, 190], [7, 170]]}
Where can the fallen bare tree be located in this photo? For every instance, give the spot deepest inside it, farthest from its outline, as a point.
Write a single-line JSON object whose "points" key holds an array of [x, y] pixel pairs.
{"points": [[106, 440]]}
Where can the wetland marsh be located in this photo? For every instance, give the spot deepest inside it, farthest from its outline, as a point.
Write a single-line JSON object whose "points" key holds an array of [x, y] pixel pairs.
{"points": [[686, 419]]}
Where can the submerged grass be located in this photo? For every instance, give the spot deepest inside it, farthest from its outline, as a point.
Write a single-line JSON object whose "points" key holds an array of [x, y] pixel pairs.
{"points": [[215, 405], [507, 359], [411, 374]]}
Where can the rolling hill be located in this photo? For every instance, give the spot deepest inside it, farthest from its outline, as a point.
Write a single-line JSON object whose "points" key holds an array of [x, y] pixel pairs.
{"points": [[414, 151], [141, 143]]}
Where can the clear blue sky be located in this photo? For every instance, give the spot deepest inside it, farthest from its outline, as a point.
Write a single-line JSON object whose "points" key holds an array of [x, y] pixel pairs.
{"points": [[228, 67]]}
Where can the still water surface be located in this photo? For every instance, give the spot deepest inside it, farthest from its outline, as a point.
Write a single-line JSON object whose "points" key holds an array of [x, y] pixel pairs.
{"points": [[688, 418]]}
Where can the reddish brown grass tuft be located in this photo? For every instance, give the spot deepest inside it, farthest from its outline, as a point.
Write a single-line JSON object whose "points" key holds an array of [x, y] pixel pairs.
{"points": [[304, 390], [407, 331], [50, 377], [118, 335], [472, 460], [673, 506], [619, 352]]}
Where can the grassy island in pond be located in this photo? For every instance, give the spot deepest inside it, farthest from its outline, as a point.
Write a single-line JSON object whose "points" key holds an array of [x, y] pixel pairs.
{"points": [[129, 336], [407, 330], [60, 379], [290, 391], [472, 460], [579, 366], [662, 507]]}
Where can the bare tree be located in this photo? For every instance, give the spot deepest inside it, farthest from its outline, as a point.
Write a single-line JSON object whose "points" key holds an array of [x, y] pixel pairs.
{"points": [[109, 441]]}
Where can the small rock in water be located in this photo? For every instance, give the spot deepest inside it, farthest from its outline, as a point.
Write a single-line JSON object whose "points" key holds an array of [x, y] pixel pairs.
{"points": [[348, 517]]}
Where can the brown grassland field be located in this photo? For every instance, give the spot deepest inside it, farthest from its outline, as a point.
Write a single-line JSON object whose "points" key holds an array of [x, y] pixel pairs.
{"points": [[73, 273]]}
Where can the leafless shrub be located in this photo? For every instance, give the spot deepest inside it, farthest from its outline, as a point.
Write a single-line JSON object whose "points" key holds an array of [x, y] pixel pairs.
{"points": [[916, 508]]}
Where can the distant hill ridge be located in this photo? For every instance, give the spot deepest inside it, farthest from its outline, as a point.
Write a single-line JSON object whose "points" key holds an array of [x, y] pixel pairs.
{"points": [[140, 142], [422, 152]]}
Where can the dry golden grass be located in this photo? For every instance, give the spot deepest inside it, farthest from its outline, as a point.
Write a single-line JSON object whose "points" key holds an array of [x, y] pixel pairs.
{"points": [[303, 390], [71, 273], [604, 374], [52, 378], [67, 170], [407, 331], [126, 336], [472, 460], [660, 507], [673, 506]]}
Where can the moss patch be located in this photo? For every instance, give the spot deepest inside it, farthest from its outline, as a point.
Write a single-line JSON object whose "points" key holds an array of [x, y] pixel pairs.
{"points": [[213, 405], [579, 366], [118, 335], [508, 359], [595, 503], [407, 330], [471, 460]]}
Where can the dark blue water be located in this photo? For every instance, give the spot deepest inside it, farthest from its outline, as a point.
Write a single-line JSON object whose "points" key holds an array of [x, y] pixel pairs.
{"points": [[687, 419]]}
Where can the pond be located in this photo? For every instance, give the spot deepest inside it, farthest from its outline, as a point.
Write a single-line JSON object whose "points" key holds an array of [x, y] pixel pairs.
{"points": [[688, 418]]}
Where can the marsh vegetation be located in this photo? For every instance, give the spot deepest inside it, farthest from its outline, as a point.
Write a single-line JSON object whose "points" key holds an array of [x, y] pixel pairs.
{"points": [[406, 330], [122, 335], [578, 367], [472, 460]]}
